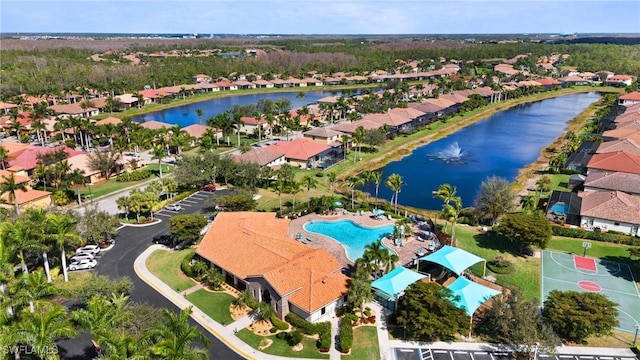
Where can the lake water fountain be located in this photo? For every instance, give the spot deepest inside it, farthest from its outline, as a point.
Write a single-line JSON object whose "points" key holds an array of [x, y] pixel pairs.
{"points": [[452, 154]]}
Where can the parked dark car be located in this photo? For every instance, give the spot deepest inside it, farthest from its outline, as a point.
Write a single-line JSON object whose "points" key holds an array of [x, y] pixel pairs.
{"points": [[167, 240], [209, 188]]}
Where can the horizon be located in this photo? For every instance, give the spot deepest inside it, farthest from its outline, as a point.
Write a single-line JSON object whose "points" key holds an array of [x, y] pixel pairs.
{"points": [[320, 17]]}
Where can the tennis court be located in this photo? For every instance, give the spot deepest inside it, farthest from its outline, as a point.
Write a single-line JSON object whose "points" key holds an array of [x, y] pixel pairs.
{"points": [[566, 272]]}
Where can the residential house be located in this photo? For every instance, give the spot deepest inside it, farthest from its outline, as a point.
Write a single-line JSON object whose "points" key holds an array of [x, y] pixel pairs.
{"points": [[206, 87], [30, 199], [226, 85], [128, 100], [196, 131], [448, 106], [613, 181], [620, 80], [6, 107], [324, 135], [110, 120], [280, 83], [254, 252], [611, 210], [244, 84], [620, 133], [306, 154], [620, 161], [155, 125], [350, 127], [629, 99], [573, 80], [548, 83], [261, 157], [251, 124], [74, 110], [27, 158], [201, 78], [630, 145], [81, 162], [263, 84]]}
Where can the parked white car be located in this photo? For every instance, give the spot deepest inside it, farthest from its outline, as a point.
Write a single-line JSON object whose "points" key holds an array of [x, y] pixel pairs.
{"points": [[82, 265], [82, 256], [88, 249], [173, 207]]}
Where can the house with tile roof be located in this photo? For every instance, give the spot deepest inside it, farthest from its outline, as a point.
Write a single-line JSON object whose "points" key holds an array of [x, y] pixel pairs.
{"points": [[620, 80], [324, 135], [251, 124], [350, 127], [620, 161], [74, 110], [201, 78], [263, 84], [110, 120], [629, 99], [30, 199], [306, 154], [196, 131], [620, 133], [261, 157], [5, 107], [155, 125], [630, 145], [27, 158], [254, 252], [613, 181], [611, 210]]}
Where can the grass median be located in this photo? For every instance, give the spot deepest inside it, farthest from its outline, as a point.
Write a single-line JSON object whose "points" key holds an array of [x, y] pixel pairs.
{"points": [[280, 347], [165, 265]]}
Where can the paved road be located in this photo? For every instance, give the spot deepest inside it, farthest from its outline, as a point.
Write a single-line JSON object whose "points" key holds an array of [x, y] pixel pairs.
{"points": [[118, 262], [441, 354]]}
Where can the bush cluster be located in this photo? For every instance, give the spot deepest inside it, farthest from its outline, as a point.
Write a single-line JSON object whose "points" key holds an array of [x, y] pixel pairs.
{"points": [[186, 266], [322, 329], [500, 265], [346, 335], [136, 175], [278, 324], [594, 235]]}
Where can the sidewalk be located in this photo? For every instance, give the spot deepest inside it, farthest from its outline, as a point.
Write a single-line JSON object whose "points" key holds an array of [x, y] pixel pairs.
{"points": [[226, 334]]}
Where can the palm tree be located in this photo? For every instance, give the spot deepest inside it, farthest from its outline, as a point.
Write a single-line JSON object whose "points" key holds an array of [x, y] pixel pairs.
{"points": [[24, 238], [158, 153], [358, 137], [377, 252], [10, 187], [451, 212], [37, 217], [4, 156], [174, 339], [352, 182], [243, 299], [214, 278], [332, 180], [310, 182], [199, 114], [102, 313], [61, 229], [265, 311], [41, 329], [279, 187], [32, 288], [446, 192], [389, 261], [344, 138], [395, 184], [78, 178], [294, 188], [359, 290], [376, 178]]}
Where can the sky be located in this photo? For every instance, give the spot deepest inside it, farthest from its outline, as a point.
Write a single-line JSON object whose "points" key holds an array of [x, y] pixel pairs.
{"points": [[320, 16]]}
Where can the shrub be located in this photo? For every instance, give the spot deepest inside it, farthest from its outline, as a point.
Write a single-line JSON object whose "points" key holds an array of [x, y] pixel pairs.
{"points": [[136, 175], [324, 343], [186, 266], [323, 329], [273, 330], [345, 337], [279, 324], [295, 337], [500, 265], [594, 235], [319, 174], [282, 335]]}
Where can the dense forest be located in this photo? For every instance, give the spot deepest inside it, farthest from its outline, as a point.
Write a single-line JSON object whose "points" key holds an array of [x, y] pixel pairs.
{"points": [[55, 70]]}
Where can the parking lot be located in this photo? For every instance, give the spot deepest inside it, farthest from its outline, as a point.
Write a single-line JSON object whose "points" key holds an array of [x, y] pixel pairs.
{"points": [[438, 354], [195, 200]]}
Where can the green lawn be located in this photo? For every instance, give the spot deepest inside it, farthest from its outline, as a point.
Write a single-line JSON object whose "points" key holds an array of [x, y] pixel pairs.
{"points": [[165, 265], [601, 250], [365, 344], [111, 185], [280, 347], [527, 269], [214, 304]]}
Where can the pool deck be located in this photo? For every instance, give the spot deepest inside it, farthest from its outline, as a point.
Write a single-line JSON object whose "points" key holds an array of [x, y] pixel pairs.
{"points": [[406, 253]]}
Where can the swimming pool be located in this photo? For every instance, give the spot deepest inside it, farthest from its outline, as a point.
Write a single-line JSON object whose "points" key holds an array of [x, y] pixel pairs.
{"points": [[352, 236]]}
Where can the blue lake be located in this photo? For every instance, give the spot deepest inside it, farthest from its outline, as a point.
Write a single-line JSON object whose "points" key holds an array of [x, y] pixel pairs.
{"points": [[185, 115], [499, 145]]}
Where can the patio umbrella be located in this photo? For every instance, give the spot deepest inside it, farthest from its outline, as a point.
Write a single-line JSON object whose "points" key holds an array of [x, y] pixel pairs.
{"points": [[337, 203], [378, 212]]}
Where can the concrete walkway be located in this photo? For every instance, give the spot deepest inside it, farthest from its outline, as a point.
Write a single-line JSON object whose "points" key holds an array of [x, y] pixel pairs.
{"points": [[334, 353], [383, 332]]}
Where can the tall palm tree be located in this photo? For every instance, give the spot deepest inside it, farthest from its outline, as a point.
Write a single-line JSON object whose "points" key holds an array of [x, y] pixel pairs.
{"points": [[11, 187], [199, 114], [78, 178], [158, 153], [359, 290], [36, 218], [395, 184], [352, 182], [41, 329], [279, 187], [376, 178], [446, 192], [332, 180], [377, 252], [358, 138], [294, 188], [24, 238], [310, 182], [451, 212], [174, 339], [61, 229], [32, 288], [389, 261]]}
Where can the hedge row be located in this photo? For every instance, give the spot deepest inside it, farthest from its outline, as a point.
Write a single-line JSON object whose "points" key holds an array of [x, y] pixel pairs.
{"points": [[186, 267], [322, 329], [136, 175], [346, 335], [279, 324], [595, 235]]}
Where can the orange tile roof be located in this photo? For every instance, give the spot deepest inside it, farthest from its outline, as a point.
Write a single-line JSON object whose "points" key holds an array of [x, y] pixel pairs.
{"points": [[25, 197], [350, 127], [630, 145], [299, 149], [616, 161], [155, 125], [250, 120], [14, 148], [611, 205], [250, 244], [28, 158], [633, 96], [17, 178], [109, 120], [258, 156], [196, 130], [621, 133]]}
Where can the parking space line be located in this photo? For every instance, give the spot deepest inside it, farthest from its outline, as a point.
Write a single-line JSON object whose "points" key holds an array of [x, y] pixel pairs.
{"points": [[161, 214], [189, 201]]}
